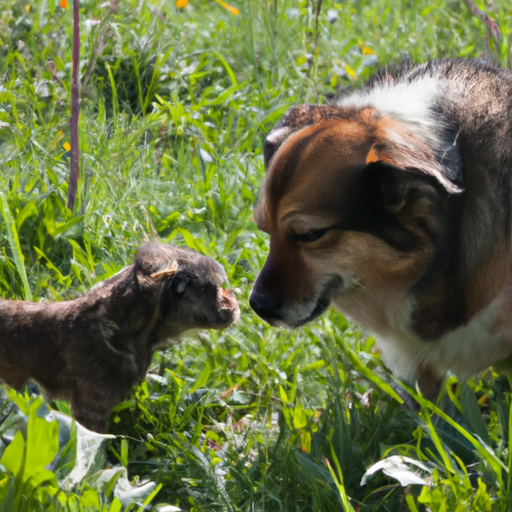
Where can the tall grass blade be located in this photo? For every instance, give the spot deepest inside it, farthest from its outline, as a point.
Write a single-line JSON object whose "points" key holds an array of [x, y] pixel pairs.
{"points": [[14, 243], [338, 481], [482, 449], [75, 108], [371, 376]]}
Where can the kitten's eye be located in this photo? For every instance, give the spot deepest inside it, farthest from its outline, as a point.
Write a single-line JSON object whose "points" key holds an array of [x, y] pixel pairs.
{"points": [[310, 236], [179, 285]]}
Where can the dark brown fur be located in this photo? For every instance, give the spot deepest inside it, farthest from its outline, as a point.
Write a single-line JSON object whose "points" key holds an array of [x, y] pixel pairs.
{"points": [[92, 350]]}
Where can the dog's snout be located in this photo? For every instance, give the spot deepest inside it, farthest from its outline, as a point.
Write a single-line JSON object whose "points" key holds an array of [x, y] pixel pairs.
{"points": [[266, 307]]}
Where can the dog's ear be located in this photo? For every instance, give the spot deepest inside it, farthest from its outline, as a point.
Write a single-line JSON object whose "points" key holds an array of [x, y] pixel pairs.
{"points": [[402, 198], [410, 153], [294, 120], [157, 261], [396, 188]]}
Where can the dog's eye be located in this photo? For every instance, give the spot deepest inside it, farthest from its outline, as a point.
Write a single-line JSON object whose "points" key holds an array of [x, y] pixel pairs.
{"points": [[310, 236], [179, 285]]}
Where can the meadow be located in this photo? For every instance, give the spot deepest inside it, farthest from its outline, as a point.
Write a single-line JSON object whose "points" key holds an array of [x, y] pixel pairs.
{"points": [[175, 104]]}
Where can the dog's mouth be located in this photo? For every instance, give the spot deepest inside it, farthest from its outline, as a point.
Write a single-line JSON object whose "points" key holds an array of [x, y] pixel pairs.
{"points": [[324, 301], [322, 304]]}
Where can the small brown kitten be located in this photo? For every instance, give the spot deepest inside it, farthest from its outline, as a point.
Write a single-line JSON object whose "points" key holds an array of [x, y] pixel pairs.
{"points": [[92, 350]]}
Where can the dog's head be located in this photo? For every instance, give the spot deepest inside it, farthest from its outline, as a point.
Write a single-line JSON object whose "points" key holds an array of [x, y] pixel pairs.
{"points": [[354, 202]]}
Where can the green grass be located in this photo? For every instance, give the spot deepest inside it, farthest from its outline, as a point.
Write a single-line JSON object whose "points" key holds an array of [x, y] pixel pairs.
{"points": [[175, 106]]}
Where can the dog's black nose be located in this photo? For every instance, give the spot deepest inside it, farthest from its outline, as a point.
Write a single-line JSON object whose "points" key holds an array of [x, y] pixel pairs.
{"points": [[266, 307]]}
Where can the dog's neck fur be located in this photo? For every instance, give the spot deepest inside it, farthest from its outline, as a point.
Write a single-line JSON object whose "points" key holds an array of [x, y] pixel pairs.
{"points": [[485, 338]]}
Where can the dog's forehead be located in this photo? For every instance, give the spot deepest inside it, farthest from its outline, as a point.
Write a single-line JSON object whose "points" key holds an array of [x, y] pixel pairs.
{"points": [[312, 166], [297, 118]]}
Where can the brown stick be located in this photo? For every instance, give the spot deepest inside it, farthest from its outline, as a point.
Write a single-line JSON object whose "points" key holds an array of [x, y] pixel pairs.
{"points": [[75, 108]]}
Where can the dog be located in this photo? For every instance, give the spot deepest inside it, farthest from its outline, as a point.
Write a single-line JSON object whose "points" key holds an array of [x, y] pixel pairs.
{"points": [[394, 204], [92, 350]]}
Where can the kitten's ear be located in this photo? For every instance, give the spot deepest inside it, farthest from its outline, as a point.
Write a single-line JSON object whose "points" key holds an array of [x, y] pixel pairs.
{"points": [[156, 260], [294, 120]]}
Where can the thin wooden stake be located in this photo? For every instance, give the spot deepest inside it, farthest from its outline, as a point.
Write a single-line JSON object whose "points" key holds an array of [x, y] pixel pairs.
{"points": [[75, 108]]}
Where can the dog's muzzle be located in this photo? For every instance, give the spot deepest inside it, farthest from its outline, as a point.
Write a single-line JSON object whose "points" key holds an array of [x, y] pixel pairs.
{"points": [[273, 310]]}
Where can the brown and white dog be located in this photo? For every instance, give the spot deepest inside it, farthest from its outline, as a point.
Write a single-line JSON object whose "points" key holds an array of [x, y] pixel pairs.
{"points": [[394, 204]]}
